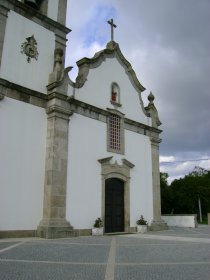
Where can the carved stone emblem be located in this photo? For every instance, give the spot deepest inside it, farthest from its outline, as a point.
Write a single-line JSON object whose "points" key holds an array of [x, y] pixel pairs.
{"points": [[29, 48]]}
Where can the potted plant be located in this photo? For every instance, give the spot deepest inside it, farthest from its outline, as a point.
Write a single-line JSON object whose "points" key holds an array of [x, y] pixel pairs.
{"points": [[141, 225], [98, 227]]}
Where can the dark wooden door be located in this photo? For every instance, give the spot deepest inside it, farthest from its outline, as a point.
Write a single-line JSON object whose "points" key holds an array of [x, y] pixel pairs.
{"points": [[114, 205]]}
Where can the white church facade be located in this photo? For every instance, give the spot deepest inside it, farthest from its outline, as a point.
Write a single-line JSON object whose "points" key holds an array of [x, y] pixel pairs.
{"points": [[71, 152]]}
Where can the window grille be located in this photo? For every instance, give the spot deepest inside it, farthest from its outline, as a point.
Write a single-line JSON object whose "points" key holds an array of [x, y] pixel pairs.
{"points": [[114, 132]]}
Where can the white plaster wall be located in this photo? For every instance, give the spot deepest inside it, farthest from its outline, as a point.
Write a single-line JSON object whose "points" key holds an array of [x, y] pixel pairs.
{"points": [[87, 144], [15, 67], [97, 90], [181, 220], [138, 151], [22, 160], [52, 11]]}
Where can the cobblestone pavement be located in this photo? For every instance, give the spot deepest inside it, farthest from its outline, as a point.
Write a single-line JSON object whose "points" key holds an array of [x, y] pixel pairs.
{"points": [[182, 254]]}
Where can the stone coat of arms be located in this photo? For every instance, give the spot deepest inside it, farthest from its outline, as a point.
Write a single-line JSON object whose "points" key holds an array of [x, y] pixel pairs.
{"points": [[29, 48]]}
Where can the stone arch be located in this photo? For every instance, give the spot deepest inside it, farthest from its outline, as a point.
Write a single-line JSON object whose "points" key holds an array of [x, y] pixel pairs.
{"points": [[121, 172]]}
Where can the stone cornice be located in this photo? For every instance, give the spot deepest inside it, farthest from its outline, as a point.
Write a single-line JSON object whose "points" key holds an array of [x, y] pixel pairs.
{"points": [[127, 163], [27, 95], [91, 111], [35, 16], [105, 160], [57, 95], [39, 99], [155, 141], [142, 126], [87, 109], [117, 168], [116, 112], [23, 94], [58, 111], [112, 50]]}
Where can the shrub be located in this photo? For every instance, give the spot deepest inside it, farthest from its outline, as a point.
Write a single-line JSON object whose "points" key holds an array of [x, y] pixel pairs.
{"points": [[141, 221], [98, 223]]}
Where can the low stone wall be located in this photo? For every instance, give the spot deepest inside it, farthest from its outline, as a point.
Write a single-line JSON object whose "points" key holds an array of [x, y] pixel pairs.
{"points": [[208, 218], [17, 233], [181, 220]]}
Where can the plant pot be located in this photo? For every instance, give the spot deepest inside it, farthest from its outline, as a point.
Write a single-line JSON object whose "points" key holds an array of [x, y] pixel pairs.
{"points": [[141, 228], [97, 231]]}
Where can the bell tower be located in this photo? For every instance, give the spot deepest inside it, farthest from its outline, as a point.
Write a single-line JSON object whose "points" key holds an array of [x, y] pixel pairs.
{"points": [[30, 31], [32, 3], [32, 58]]}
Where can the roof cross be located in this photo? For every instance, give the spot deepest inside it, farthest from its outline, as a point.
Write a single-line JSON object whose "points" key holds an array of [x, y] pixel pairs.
{"points": [[111, 22]]}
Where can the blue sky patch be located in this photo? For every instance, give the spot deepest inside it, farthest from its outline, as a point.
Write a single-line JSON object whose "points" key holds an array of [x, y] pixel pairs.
{"points": [[97, 29]]}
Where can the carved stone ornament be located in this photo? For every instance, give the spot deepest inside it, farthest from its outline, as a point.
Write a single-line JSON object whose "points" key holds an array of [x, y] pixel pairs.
{"points": [[29, 48]]}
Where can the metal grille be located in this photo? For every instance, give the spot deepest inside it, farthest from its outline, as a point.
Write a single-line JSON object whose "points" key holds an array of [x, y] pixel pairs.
{"points": [[114, 132]]}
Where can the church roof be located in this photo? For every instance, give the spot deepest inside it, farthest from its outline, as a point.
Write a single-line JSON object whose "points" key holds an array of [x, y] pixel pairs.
{"points": [[112, 50]]}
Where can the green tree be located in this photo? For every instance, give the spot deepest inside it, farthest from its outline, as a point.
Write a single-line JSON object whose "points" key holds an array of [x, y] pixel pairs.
{"points": [[187, 191], [166, 199]]}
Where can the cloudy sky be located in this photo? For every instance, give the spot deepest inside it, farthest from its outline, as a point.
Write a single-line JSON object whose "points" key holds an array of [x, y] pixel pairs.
{"points": [[168, 44]]}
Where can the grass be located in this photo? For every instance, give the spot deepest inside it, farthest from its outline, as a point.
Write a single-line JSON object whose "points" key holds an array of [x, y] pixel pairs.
{"points": [[204, 222]]}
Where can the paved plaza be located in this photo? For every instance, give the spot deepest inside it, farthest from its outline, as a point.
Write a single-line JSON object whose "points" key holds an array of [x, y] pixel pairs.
{"points": [[177, 253]]}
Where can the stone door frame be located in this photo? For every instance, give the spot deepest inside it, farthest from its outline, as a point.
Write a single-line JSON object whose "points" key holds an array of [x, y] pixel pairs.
{"points": [[122, 172]]}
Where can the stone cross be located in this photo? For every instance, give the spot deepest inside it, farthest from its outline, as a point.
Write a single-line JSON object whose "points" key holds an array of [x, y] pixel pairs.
{"points": [[111, 22]]}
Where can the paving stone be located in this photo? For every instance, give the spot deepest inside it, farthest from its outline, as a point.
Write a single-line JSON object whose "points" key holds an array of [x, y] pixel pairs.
{"points": [[183, 252], [103, 240], [58, 252], [141, 241], [4, 245], [43, 271], [163, 272], [141, 257]]}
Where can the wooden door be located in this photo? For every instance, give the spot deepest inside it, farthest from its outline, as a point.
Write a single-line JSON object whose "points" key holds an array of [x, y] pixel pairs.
{"points": [[114, 205]]}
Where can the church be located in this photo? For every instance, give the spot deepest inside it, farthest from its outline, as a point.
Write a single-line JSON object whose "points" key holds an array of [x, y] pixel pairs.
{"points": [[71, 151]]}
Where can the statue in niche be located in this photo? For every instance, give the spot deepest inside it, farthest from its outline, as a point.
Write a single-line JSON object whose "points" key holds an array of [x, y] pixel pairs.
{"points": [[115, 93]]}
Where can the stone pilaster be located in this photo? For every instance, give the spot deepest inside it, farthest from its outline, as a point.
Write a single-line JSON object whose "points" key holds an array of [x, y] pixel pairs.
{"points": [[62, 8], [3, 21], [157, 223], [54, 224]]}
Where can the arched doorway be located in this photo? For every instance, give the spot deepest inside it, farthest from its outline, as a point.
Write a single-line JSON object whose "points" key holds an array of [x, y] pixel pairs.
{"points": [[114, 205]]}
